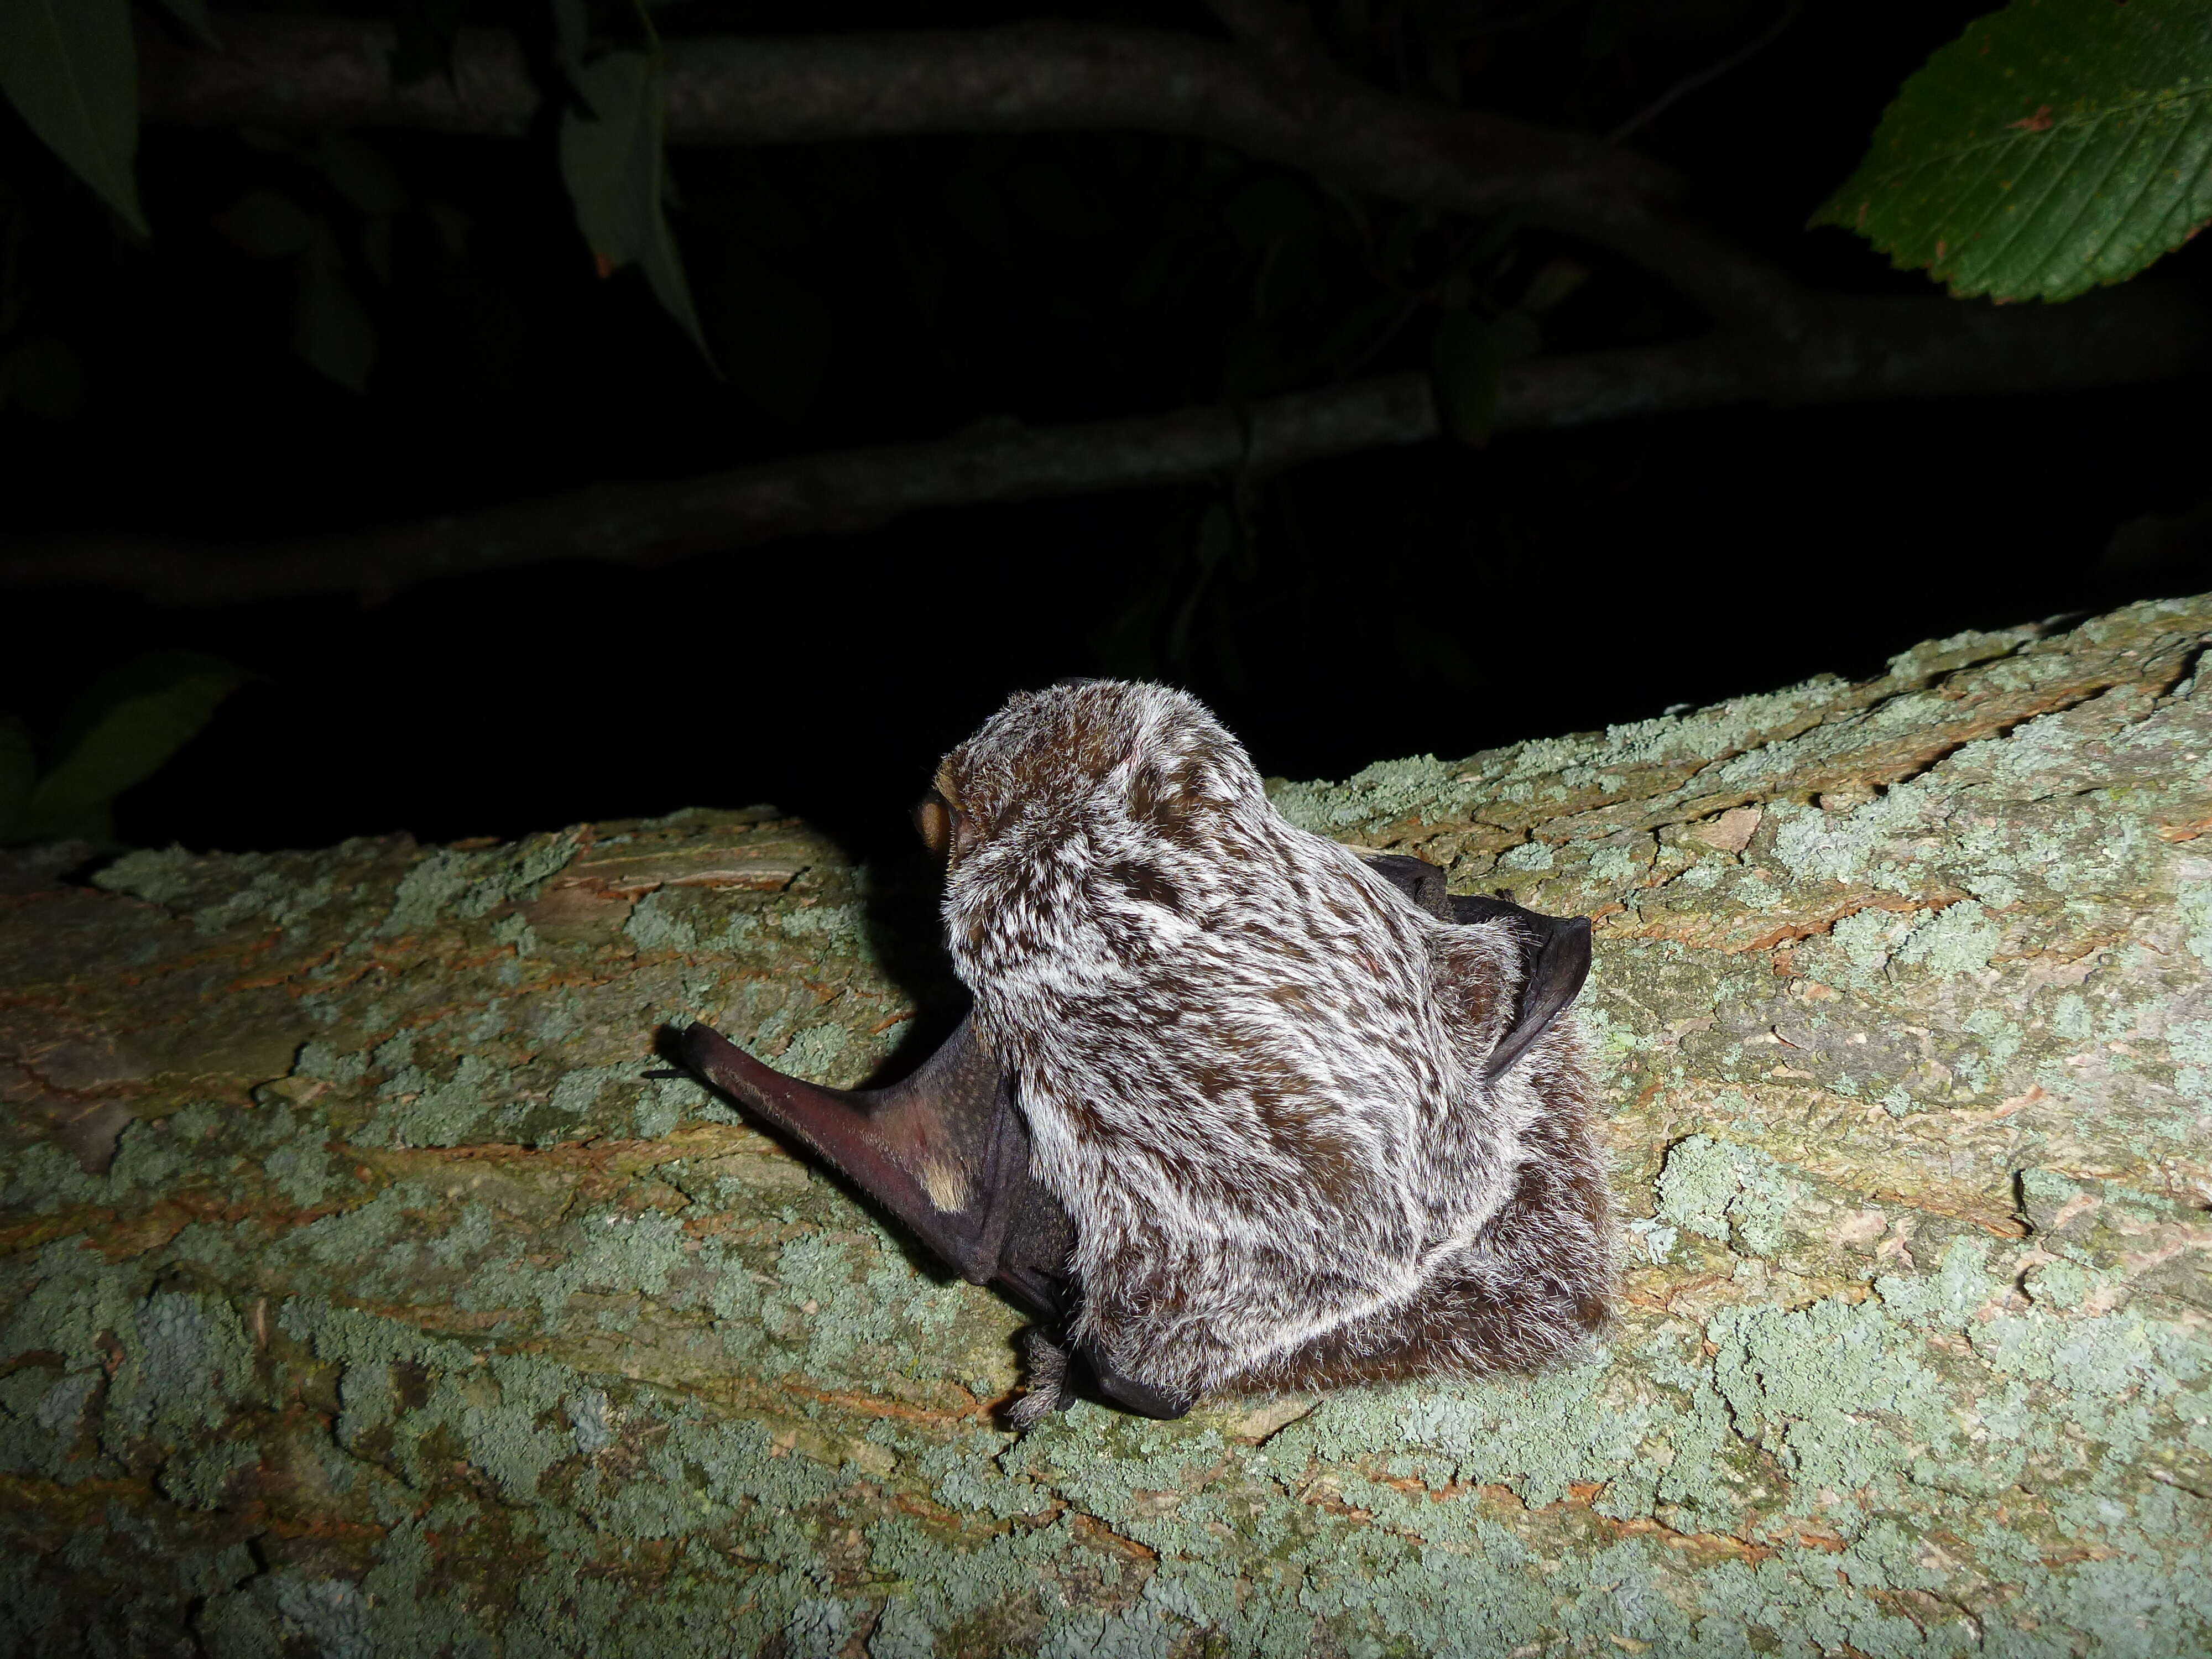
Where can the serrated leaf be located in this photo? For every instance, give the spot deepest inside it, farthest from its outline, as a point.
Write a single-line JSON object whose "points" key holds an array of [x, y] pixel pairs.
{"points": [[1466, 366], [71, 70], [2055, 145], [148, 672], [120, 733], [612, 162]]}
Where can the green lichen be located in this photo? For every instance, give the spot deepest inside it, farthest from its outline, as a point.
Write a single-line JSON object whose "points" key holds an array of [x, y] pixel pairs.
{"points": [[41, 1417], [583, 1403], [63, 1299], [1959, 938], [415, 1108], [1384, 791], [185, 1358], [470, 885], [814, 1052], [1728, 1194], [271, 896], [43, 1178], [657, 923], [1838, 1394], [302, 1169], [320, 1059], [1529, 857], [331, 1613], [161, 875], [2193, 900], [200, 1476]]}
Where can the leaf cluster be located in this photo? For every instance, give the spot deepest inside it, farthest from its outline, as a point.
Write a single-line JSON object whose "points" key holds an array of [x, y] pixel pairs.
{"points": [[504, 310], [122, 729], [2055, 145]]}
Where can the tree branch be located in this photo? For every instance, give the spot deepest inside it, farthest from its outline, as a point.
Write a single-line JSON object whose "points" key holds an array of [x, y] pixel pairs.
{"points": [[332, 1357], [1273, 97], [1858, 350], [1032, 77]]}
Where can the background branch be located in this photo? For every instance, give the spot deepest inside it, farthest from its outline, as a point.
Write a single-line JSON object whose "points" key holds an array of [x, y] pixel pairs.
{"points": [[1034, 77], [1860, 351]]}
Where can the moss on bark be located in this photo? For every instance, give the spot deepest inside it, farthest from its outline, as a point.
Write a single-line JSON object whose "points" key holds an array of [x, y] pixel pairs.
{"points": [[361, 1293]]}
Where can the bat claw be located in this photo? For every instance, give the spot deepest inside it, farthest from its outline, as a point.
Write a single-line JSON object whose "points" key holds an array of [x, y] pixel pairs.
{"points": [[1044, 1382], [1132, 1396]]}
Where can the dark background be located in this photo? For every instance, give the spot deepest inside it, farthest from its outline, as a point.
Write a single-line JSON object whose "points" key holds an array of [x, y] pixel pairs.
{"points": [[1442, 599]]}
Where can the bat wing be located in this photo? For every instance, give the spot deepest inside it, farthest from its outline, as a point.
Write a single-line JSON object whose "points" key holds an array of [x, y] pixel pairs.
{"points": [[1555, 951], [945, 1150]]}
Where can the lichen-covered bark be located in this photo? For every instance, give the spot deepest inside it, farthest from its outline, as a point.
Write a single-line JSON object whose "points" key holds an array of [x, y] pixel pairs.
{"points": [[361, 1292]]}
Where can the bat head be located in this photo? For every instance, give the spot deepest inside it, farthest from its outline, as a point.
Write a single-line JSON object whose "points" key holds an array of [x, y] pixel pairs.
{"points": [[1091, 758], [1086, 785]]}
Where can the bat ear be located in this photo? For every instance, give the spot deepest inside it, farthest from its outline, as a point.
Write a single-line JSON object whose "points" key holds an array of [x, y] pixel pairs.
{"points": [[1554, 979], [933, 817], [1555, 951], [1419, 881], [1555, 959]]}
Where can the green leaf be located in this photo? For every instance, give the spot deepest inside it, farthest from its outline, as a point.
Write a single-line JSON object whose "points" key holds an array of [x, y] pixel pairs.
{"points": [[2055, 145], [71, 70], [121, 731], [331, 331], [612, 162], [1467, 364]]}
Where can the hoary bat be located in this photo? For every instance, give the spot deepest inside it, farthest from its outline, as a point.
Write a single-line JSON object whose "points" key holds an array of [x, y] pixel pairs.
{"points": [[1236, 1106]]}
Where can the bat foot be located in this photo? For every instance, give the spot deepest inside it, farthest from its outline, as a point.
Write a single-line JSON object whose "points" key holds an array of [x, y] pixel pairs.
{"points": [[1048, 1379], [1044, 1382], [1140, 1399]]}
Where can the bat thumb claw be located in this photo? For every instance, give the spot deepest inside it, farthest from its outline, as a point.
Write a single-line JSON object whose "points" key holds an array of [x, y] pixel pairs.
{"points": [[1044, 1382]]}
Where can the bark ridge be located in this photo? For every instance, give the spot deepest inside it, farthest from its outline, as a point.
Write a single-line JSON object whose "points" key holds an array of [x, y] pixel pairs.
{"points": [[362, 1293]]}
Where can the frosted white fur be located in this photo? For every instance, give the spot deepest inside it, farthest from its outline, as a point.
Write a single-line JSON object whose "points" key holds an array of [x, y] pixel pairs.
{"points": [[1251, 1066]]}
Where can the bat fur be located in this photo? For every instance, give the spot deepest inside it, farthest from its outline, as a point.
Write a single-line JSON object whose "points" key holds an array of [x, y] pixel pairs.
{"points": [[1311, 1122]]}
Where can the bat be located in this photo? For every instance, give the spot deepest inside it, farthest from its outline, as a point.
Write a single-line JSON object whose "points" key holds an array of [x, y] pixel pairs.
{"points": [[1236, 1107]]}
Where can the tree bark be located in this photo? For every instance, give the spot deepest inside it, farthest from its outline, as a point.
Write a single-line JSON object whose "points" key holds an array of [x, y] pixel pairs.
{"points": [[362, 1293]]}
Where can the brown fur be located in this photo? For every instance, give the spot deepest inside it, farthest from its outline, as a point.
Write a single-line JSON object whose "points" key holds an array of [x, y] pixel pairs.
{"points": [[1254, 1068]]}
